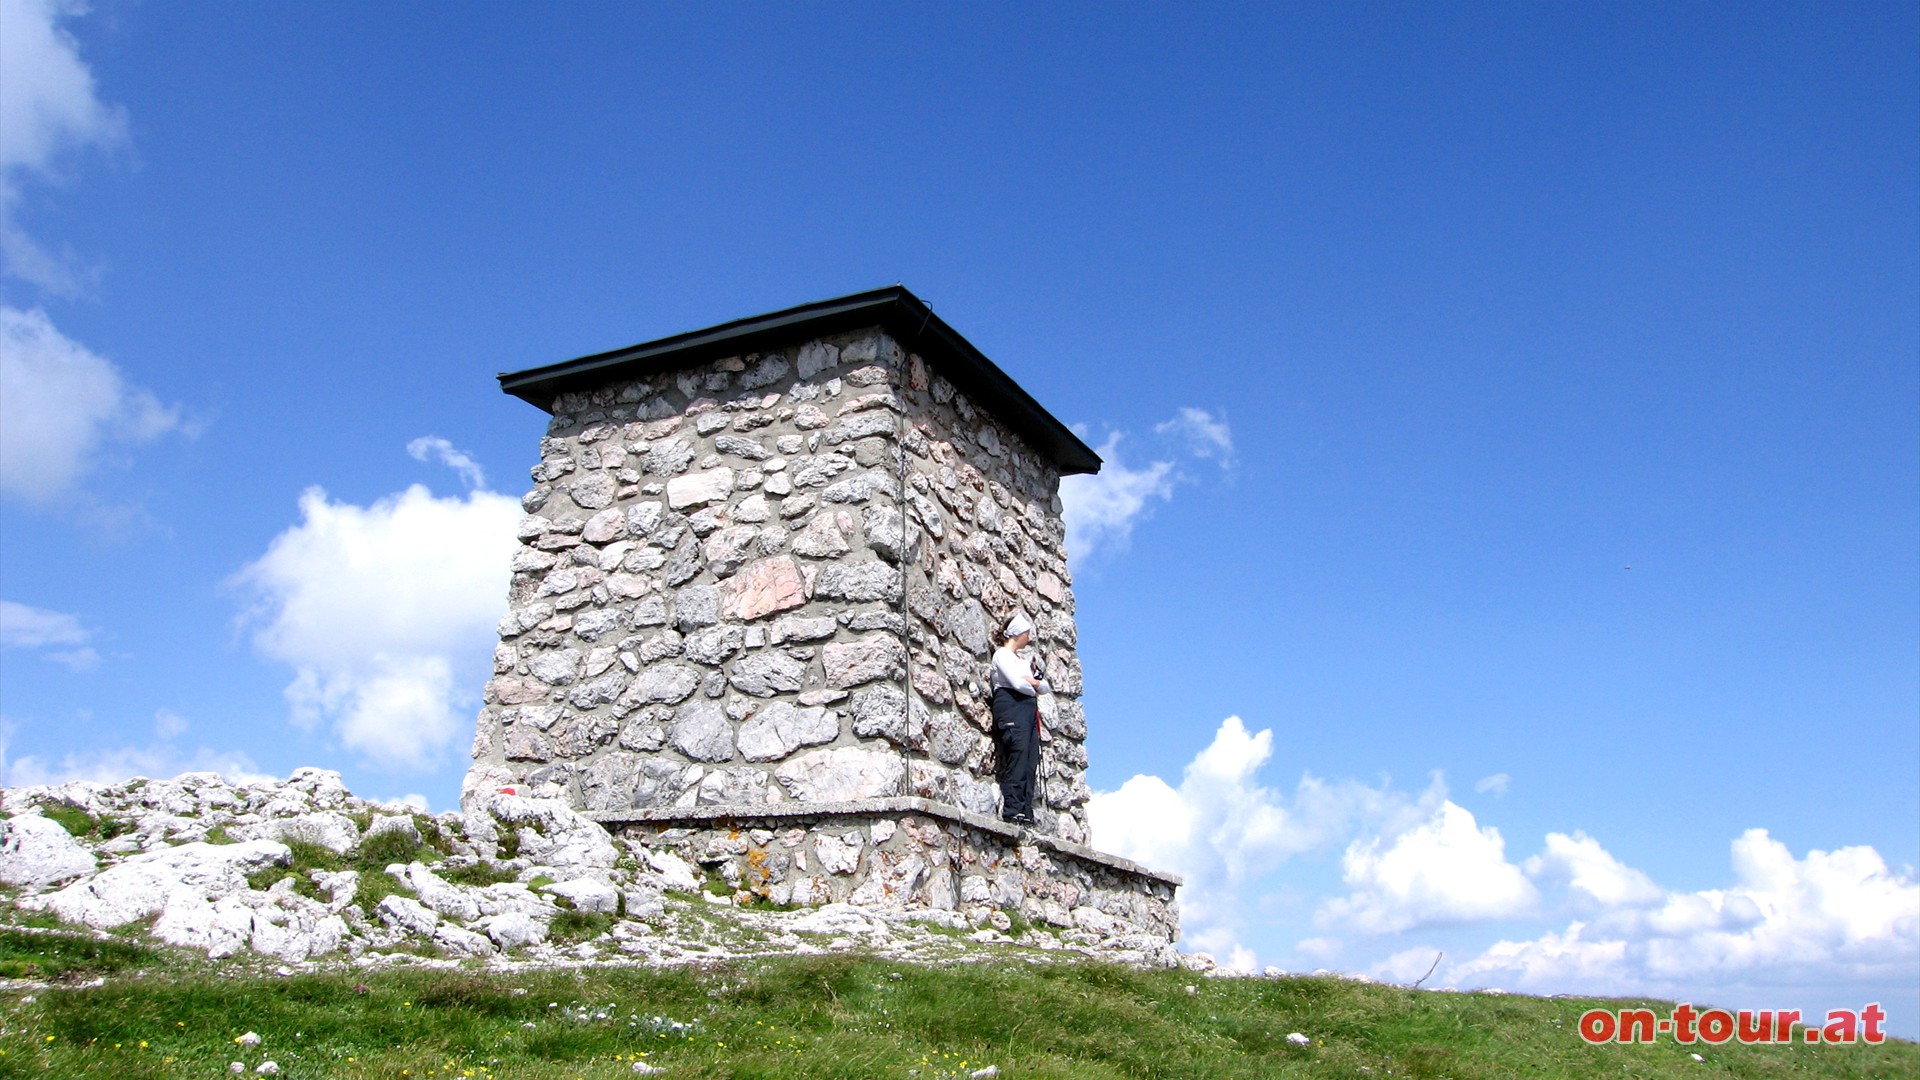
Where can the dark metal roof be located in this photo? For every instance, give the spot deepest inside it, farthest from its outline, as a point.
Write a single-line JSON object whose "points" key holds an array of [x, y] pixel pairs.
{"points": [[911, 322]]}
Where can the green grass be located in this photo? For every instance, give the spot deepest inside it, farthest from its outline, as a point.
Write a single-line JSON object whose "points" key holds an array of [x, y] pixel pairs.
{"points": [[27, 955], [479, 874], [82, 824], [840, 1016]]}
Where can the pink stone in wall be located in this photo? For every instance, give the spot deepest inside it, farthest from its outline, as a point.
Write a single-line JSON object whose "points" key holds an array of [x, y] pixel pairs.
{"points": [[764, 587], [516, 691]]}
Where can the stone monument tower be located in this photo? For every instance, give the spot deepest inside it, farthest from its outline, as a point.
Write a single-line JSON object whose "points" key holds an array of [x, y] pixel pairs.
{"points": [[761, 573]]}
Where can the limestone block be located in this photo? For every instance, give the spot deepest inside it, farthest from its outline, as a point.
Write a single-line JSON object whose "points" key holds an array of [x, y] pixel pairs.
{"points": [[557, 668], [837, 854], [863, 660], [728, 549], [861, 426], [842, 775], [967, 621], [859, 487], [742, 447], [764, 587], [733, 787], [696, 606], [607, 782], [605, 527], [702, 732], [815, 357], [145, 884], [36, 851], [650, 611], [859, 582], [601, 691], [587, 894], [800, 628], [593, 625], [699, 489], [668, 458], [764, 674], [714, 645], [661, 783], [949, 739], [880, 711], [885, 533], [771, 369], [593, 491], [779, 729], [822, 538], [583, 735], [662, 683], [513, 929]]}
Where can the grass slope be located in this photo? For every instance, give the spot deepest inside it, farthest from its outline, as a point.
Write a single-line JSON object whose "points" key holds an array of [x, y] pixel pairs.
{"points": [[158, 1014]]}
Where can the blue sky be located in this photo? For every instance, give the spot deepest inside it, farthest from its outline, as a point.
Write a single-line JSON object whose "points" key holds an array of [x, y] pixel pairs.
{"points": [[1410, 332]]}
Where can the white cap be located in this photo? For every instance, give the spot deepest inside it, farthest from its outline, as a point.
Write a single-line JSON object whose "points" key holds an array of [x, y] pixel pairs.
{"points": [[1019, 625]]}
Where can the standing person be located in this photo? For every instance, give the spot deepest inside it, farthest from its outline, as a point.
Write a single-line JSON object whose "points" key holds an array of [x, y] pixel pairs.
{"points": [[1016, 721]]}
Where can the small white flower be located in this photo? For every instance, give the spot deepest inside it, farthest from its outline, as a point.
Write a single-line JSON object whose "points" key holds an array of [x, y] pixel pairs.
{"points": [[249, 1039], [987, 1073], [268, 1068], [236, 1067], [1298, 1039], [1696, 1057], [643, 1069]]}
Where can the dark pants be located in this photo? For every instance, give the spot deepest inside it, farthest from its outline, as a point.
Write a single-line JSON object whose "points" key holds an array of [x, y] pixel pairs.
{"points": [[1016, 736]]}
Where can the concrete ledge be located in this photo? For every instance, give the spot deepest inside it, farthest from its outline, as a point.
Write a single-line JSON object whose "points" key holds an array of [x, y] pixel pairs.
{"points": [[898, 804]]}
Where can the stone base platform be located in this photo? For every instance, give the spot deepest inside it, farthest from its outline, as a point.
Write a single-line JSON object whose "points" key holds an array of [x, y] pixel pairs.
{"points": [[910, 852]]}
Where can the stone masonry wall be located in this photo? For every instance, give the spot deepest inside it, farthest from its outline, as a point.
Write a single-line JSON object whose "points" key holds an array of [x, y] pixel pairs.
{"points": [[891, 853], [727, 596]]}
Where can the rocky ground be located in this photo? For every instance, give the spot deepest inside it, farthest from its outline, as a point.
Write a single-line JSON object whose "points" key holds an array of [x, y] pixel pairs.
{"points": [[302, 874]]}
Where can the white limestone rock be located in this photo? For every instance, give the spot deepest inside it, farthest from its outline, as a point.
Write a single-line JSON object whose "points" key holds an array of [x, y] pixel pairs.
{"points": [[702, 732], [699, 489], [513, 929], [780, 728], [329, 829], [764, 674], [837, 854], [587, 894], [859, 582], [675, 873], [863, 660], [145, 885], [550, 832], [405, 913], [37, 851], [842, 775]]}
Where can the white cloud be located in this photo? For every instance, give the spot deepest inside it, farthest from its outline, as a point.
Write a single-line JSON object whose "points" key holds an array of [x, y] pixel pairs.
{"points": [[1591, 870], [114, 765], [1834, 918], [62, 407], [1101, 508], [1446, 869], [27, 627], [168, 724], [24, 627], [1495, 784], [386, 613], [1222, 830], [429, 447], [48, 108], [1205, 435]]}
